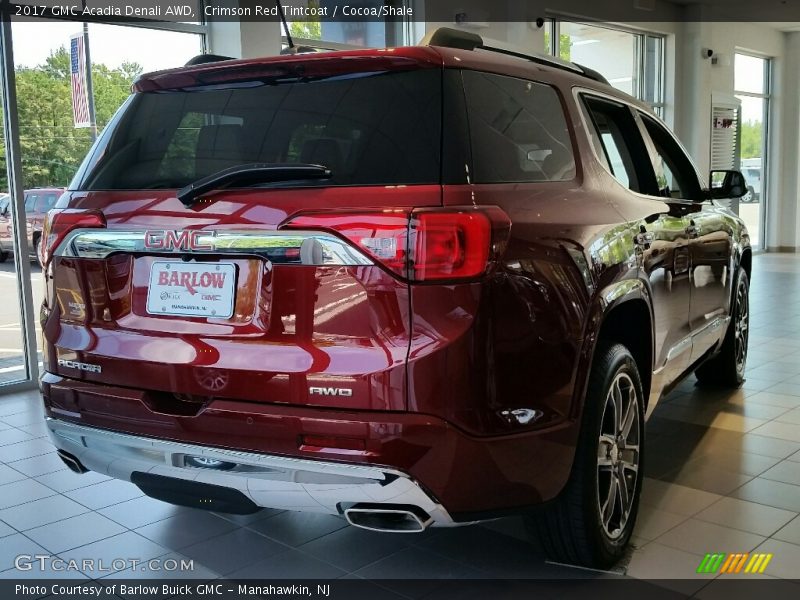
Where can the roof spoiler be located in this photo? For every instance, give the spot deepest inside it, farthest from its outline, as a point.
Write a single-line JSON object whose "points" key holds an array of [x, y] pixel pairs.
{"points": [[447, 37], [202, 59]]}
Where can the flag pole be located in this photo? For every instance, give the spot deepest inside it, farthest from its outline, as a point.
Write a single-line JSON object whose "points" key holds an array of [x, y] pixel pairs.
{"points": [[89, 86]]}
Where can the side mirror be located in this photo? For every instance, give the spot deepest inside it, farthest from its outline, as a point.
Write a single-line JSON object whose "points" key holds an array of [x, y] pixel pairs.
{"points": [[727, 184]]}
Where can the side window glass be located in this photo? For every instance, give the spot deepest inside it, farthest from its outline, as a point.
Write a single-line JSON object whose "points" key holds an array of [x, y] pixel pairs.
{"points": [[616, 139], [48, 202], [30, 201], [675, 175], [612, 145], [518, 130]]}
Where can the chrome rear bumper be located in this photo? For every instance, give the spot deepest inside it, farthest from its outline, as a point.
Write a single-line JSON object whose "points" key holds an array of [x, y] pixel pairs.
{"points": [[269, 481]]}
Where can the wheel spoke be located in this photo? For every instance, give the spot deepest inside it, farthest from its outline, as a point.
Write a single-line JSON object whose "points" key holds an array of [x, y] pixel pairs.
{"points": [[629, 457], [630, 415], [628, 465], [624, 496], [617, 394], [611, 500]]}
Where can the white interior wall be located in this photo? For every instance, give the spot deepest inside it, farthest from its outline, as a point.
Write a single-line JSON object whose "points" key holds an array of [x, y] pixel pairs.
{"points": [[783, 223]]}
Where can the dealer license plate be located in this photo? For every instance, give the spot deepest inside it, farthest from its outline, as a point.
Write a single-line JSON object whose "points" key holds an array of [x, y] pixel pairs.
{"points": [[191, 289]]}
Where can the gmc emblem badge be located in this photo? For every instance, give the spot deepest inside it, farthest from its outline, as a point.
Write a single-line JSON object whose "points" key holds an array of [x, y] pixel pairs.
{"points": [[171, 240]]}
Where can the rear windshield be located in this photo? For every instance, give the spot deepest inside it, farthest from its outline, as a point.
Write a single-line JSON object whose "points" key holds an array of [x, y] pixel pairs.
{"points": [[367, 128]]}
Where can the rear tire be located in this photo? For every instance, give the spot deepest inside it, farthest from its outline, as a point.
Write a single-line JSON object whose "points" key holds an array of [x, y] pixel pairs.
{"points": [[726, 369], [591, 521], [3, 256]]}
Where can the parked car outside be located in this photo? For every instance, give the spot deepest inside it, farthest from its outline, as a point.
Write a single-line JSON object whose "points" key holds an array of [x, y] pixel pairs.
{"points": [[5, 218], [751, 169], [416, 288], [37, 202]]}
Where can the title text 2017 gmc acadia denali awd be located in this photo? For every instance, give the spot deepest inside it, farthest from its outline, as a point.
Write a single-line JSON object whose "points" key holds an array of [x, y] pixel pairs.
{"points": [[411, 286]]}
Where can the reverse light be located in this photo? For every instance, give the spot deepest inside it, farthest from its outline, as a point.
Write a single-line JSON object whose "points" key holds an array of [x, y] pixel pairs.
{"points": [[59, 222], [382, 235], [458, 243]]}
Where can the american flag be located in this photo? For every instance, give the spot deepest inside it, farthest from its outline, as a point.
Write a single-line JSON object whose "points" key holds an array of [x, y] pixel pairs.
{"points": [[80, 96]]}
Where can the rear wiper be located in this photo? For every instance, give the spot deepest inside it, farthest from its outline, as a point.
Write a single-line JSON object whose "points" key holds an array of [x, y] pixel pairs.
{"points": [[254, 173]]}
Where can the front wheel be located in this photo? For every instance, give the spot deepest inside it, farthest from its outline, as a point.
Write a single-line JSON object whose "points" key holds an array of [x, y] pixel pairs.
{"points": [[727, 368], [591, 521]]}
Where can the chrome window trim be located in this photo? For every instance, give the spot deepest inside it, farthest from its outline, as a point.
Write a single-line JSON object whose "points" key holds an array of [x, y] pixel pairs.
{"points": [[316, 248]]}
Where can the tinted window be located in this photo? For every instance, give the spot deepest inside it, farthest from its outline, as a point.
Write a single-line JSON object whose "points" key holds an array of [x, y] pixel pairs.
{"points": [[46, 201], [617, 140], [518, 130], [368, 128], [675, 175]]}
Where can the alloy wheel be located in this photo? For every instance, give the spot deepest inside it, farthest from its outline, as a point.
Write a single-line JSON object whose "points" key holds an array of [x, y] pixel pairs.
{"points": [[618, 455], [741, 327]]}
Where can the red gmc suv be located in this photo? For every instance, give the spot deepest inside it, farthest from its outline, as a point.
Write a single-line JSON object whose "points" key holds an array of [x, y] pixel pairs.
{"points": [[414, 287]]}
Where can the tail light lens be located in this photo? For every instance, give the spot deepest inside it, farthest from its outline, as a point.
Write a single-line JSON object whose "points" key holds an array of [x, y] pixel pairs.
{"points": [[382, 235], [450, 245], [59, 222], [422, 244]]}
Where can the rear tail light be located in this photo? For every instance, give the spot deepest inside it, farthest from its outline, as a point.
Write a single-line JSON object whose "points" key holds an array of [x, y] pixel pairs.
{"points": [[422, 244], [382, 235], [59, 222]]}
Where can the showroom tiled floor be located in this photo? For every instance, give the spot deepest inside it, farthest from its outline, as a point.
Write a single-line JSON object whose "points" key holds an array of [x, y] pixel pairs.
{"points": [[723, 476]]}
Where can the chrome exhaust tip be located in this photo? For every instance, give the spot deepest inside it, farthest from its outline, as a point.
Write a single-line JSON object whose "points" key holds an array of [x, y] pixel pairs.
{"points": [[73, 464], [388, 518]]}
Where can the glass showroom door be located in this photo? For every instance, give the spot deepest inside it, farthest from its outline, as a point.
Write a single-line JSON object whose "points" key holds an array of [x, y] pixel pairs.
{"points": [[752, 88], [18, 267]]}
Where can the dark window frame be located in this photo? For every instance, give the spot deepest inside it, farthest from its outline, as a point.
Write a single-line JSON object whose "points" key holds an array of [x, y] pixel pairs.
{"points": [[640, 166], [667, 146]]}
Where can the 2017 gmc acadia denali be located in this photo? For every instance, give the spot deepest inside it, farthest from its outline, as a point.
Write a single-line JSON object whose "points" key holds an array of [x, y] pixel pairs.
{"points": [[415, 287]]}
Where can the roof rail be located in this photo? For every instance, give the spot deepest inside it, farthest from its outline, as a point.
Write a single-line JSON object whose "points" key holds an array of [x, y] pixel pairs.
{"points": [[202, 59], [447, 37]]}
